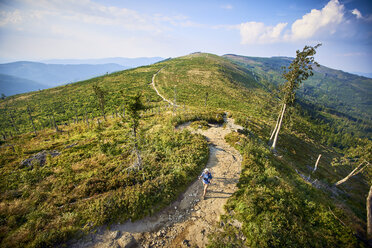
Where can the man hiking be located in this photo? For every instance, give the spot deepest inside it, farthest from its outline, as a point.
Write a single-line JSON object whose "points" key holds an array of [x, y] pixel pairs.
{"points": [[207, 177]]}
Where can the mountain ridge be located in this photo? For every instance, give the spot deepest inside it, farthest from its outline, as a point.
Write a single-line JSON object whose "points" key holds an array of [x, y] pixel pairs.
{"points": [[10, 85], [94, 177], [123, 61]]}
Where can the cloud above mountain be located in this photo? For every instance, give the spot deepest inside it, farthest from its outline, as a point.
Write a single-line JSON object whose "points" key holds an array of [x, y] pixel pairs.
{"points": [[323, 22]]}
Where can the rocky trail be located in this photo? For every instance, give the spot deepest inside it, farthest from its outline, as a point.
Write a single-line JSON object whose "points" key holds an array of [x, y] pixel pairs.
{"points": [[187, 221]]}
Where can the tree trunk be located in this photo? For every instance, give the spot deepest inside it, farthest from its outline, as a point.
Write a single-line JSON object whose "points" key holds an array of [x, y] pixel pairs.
{"points": [[76, 117], [353, 173], [369, 216], [139, 159], [103, 113], [13, 123], [175, 100], [54, 123], [51, 121], [316, 164], [32, 121], [278, 129], [276, 126]]}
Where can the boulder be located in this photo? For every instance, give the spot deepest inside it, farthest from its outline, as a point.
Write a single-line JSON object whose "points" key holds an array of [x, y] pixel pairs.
{"points": [[39, 158], [127, 241]]}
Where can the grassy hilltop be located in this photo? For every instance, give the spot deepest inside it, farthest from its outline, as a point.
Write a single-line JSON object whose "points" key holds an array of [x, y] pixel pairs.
{"points": [[92, 180]]}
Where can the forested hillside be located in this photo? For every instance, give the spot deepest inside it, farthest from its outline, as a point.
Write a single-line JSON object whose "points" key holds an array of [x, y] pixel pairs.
{"points": [[339, 91], [91, 173]]}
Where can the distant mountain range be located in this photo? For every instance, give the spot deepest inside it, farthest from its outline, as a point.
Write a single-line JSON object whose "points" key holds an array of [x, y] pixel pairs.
{"points": [[10, 85], [24, 76], [126, 62]]}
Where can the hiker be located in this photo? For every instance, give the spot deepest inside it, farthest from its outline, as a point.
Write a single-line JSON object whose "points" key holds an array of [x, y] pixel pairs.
{"points": [[207, 177]]}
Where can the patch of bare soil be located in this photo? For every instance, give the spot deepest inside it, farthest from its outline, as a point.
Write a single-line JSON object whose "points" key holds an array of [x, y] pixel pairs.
{"points": [[189, 220]]}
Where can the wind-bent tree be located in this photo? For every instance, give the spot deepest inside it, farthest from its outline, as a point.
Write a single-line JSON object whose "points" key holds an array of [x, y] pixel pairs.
{"points": [[100, 95], [299, 70], [133, 106]]}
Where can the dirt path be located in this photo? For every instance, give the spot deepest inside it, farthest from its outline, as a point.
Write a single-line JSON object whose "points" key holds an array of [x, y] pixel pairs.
{"points": [[157, 92], [188, 221]]}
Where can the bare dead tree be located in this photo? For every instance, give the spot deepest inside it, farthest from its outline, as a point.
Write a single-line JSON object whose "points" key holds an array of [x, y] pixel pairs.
{"points": [[316, 163], [76, 114], [354, 172], [32, 121], [175, 100], [369, 216], [54, 123], [86, 117], [12, 121], [123, 108]]}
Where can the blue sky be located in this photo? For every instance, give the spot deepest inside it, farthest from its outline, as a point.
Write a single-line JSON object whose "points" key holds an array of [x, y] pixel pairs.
{"points": [[51, 29]]}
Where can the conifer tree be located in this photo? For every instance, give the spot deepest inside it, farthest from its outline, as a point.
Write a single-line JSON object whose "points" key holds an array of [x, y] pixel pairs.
{"points": [[134, 105], [100, 95], [298, 71]]}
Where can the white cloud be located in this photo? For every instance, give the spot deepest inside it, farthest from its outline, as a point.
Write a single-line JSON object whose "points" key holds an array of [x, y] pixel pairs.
{"points": [[227, 6], [257, 32], [12, 17], [316, 21], [85, 28], [357, 13], [42, 14]]}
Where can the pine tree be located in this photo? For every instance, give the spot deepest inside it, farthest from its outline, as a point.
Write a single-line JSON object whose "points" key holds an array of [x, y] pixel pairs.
{"points": [[134, 105], [100, 95]]}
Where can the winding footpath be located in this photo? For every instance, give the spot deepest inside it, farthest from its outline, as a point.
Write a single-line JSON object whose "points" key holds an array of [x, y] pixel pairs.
{"points": [[157, 92], [188, 221]]}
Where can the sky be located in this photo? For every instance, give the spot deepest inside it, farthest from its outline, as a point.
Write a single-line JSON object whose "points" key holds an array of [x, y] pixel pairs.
{"points": [[82, 29]]}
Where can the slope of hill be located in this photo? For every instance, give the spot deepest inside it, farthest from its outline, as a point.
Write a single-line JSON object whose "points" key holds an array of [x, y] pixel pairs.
{"points": [[53, 75], [10, 85], [126, 62], [92, 181], [328, 87]]}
